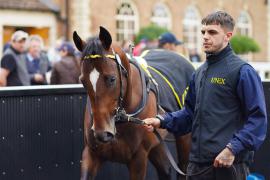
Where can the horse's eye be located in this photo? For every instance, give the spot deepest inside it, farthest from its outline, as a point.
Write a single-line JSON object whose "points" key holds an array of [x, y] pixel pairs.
{"points": [[110, 81]]}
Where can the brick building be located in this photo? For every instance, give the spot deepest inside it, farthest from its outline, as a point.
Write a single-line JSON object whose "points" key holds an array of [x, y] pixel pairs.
{"points": [[124, 18]]}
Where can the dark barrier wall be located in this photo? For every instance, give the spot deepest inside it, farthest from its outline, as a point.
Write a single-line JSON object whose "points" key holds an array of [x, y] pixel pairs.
{"points": [[41, 133], [262, 158], [41, 136]]}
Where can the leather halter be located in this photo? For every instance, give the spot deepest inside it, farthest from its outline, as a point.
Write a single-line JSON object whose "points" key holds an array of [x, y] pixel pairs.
{"points": [[120, 67], [122, 70]]}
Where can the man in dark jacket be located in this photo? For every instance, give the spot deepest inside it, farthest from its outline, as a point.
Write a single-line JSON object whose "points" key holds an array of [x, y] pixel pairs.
{"points": [[13, 71], [224, 109], [36, 60], [67, 70]]}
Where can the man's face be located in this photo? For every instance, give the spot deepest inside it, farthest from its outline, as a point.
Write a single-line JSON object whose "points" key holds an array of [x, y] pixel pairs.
{"points": [[215, 38], [34, 48], [19, 45]]}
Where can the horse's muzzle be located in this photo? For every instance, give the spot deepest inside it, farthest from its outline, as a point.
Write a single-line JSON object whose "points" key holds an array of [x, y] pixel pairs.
{"points": [[103, 136]]}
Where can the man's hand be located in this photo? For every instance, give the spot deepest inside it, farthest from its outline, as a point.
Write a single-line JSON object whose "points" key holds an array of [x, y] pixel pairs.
{"points": [[151, 123], [224, 159], [38, 77]]}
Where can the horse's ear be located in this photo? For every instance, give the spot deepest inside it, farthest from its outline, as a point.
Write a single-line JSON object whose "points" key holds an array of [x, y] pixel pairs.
{"points": [[80, 44], [105, 38]]}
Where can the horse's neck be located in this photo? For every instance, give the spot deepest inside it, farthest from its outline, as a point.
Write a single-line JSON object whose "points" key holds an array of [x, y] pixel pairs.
{"points": [[134, 89]]}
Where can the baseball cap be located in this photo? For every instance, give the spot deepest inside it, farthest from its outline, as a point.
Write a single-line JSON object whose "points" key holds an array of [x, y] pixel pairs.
{"points": [[168, 38], [67, 46], [19, 35]]}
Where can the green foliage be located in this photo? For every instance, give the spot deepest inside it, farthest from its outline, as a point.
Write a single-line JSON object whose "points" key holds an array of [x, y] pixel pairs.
{"points": [[150, 33], [244, 44]]}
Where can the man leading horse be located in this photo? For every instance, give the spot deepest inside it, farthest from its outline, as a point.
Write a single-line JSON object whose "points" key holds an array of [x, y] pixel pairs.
{"points": [[224, 109]]}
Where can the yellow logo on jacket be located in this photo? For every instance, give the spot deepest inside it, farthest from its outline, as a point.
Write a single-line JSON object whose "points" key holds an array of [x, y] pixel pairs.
{"points": [[217, 80]]}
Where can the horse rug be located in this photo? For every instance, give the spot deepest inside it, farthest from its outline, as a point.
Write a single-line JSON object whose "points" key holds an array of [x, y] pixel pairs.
{"points": [[172, 72]]}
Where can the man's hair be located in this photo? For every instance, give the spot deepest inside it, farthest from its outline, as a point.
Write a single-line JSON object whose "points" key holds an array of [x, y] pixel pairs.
{"points": [[160, 45], [34, 38], [219, 18]]}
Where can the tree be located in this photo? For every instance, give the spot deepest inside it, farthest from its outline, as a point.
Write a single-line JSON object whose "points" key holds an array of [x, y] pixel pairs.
{"points": [[150, 33], [244, 44]]}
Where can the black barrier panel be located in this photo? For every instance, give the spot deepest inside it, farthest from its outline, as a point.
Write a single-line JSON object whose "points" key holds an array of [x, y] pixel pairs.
{"points": [[41, 134], [261, 163]]}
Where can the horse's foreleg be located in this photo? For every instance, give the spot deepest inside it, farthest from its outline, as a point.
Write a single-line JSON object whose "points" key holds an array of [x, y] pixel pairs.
{"points": [[159, 159], [183, 144], [90, 165], [137, 166]]}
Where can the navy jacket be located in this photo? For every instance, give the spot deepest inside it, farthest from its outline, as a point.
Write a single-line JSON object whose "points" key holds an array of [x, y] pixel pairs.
{"points": [[249, 91]]}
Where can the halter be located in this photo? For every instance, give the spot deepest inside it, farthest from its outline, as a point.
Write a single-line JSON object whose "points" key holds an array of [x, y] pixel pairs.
{"points": [[122, 70]]}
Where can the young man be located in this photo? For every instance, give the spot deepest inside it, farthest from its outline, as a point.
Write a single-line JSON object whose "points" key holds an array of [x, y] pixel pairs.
{"points": [[13, 71], [224, 108]]}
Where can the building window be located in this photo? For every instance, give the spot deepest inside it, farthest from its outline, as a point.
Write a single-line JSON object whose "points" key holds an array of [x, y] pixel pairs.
{"points": [[161, 16], [191, 29], [244, 28], [244, 24], [126, 22]]}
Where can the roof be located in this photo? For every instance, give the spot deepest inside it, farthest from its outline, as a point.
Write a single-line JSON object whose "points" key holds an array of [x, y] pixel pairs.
{"points": [[34, 5]]}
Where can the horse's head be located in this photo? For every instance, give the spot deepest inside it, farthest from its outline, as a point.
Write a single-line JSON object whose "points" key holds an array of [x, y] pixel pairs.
{"points": [[104, 74]]}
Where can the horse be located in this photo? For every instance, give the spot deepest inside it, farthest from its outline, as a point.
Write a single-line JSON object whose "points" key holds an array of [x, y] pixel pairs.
{"points": [[112, 84]]}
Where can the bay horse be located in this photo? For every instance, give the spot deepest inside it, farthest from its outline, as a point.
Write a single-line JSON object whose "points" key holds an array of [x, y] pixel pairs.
{"points": [[112, 82]]}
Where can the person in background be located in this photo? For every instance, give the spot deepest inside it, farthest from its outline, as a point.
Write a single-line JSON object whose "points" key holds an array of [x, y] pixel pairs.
{"points": [[140, 47], [53, 52], [168, 41], [194, 56], [6, 46], [67, 70], [36, 60], [13, 71], [224, 108]]}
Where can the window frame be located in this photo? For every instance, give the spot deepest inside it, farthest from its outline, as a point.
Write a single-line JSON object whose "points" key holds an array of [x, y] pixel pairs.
{"points": [[192, 38], [162, 21], [127, 31]]}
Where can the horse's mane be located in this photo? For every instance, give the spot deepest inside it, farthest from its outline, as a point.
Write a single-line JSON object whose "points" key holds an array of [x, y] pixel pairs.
{"points": [[93, 47]]}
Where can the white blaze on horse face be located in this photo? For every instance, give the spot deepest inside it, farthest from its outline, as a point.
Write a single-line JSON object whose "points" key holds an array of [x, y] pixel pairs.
{"points": [[94, 75]]}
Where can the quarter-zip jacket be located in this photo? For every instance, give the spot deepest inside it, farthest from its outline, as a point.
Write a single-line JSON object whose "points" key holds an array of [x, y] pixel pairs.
{"points": [[225, 104]]}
